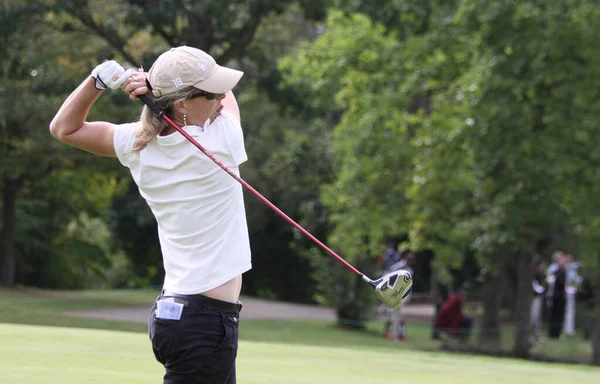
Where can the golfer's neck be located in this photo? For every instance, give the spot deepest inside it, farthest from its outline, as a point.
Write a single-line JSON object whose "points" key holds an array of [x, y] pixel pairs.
{"points": [[230, 291]]}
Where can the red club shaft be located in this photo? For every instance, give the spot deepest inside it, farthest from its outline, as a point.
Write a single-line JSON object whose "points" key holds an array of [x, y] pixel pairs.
{"points": [[160, 113]]}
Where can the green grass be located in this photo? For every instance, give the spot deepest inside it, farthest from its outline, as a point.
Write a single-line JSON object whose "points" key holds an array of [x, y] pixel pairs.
{"points": [[56, 355], [43, 307], [78, 300]]}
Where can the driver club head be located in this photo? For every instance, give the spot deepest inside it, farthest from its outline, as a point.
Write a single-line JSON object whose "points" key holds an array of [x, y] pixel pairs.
{"points": [[393, 288]]}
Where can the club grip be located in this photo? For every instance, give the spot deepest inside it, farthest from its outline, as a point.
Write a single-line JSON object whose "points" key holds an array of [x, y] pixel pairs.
{"points": [[151, 105]]}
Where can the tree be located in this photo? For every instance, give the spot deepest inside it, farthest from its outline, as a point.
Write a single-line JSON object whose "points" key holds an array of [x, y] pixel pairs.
{"points": [[24, 156], [39, 197], [484, 104], [528, 96], [252, 34], [334, 76]]}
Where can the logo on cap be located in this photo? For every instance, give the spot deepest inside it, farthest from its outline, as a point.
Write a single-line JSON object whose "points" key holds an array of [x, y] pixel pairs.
{"points": [[202, 64], [178, 82]]}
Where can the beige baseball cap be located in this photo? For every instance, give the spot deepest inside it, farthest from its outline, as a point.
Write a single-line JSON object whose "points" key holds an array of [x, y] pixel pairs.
{"points": [[184, 66]]}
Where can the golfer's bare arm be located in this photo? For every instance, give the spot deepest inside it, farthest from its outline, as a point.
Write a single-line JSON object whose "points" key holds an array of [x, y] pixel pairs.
{"points": [[70, 127], [230, 105]]}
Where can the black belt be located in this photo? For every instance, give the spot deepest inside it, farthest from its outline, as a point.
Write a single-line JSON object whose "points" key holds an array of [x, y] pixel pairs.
{"points": [[204, 300]]}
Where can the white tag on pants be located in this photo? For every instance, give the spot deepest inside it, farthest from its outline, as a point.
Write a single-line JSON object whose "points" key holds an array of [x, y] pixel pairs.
{"points": [[168, 309]]}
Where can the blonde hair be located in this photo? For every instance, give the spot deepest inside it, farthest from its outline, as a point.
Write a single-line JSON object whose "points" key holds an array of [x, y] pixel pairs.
{"points": [[150, 124]]}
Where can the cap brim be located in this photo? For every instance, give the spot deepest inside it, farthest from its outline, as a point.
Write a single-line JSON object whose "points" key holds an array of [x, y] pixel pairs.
{"points": [[224, 79]]}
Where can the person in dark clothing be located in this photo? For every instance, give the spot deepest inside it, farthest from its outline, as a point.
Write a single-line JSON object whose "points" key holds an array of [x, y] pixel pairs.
{"points": [[441, 295], [451, 318], [390, 258], [538, 286], [586, 296], [558, 300]]}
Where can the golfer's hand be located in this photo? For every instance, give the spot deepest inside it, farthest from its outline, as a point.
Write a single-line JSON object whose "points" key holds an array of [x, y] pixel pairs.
{"points": [[110, 74], [135, 84]]}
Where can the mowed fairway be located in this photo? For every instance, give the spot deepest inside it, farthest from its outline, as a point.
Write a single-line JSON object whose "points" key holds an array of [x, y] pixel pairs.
{"points": [[54, 355]]}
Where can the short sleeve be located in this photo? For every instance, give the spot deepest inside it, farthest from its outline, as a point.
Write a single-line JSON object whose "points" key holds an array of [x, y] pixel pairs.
{"points": [[235, 138], [124, 139]]}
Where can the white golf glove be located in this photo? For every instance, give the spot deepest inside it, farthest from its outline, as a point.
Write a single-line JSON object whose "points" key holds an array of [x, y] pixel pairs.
{"points": [[110, 74]]}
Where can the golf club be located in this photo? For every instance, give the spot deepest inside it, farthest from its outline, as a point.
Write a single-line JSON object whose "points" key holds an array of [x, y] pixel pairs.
{"points": [[392, 288]]}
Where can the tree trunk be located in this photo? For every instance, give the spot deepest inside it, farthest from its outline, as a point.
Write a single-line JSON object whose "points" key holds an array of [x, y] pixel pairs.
{"points": [[489, 336], [7, 249], [522, 345], [596, 326]]}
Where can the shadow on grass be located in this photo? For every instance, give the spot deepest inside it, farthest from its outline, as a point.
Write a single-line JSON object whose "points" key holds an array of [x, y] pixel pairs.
{"points": [[574, 356]]}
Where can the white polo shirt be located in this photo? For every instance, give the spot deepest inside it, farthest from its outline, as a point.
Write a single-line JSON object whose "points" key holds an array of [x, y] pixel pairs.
{"points": [[199, 208]]}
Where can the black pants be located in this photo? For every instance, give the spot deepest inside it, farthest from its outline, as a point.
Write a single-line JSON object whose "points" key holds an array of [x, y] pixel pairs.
{"points": [[466, 323], [435, 333], [201, 347], [557, 317], [462, 333]]}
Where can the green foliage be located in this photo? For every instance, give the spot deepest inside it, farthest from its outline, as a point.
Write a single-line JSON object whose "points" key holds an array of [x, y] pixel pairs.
{"points": [[334, 81], [56, 45], [83, 254], [463, 126], [54, 184], [287, 165], [467, 126], [134, 229]]}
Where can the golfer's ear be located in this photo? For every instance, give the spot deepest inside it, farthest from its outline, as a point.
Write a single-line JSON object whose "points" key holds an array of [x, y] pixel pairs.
{"points": [[179, 107]]}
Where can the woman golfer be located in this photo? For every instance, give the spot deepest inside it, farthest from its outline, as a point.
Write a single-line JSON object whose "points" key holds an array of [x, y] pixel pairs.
{"points": [[199, 208]]}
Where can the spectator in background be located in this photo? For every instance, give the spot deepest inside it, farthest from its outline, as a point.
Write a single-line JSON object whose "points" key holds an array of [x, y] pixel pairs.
{"points": [[440, 297], [390, 257], [451, 318], [396, 329], [557, 281], [537, 283], [550, 276], [556, 258], [573, 280], [586, 295]]}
